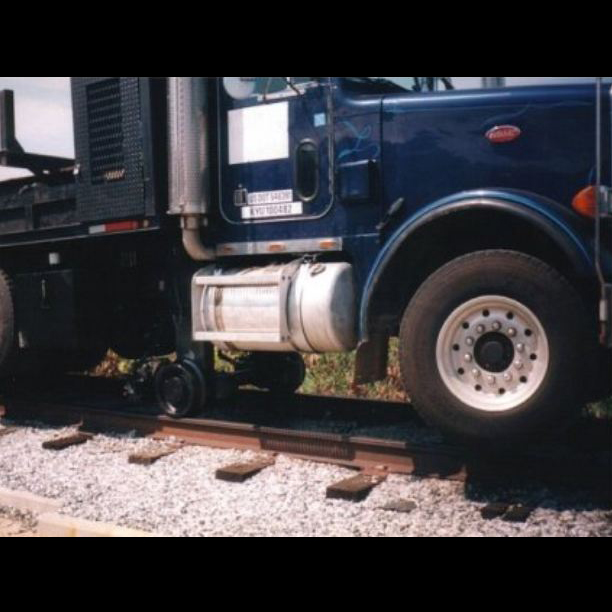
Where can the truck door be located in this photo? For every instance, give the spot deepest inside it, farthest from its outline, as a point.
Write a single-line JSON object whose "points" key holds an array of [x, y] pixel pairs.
{"points": [[274, 149]]}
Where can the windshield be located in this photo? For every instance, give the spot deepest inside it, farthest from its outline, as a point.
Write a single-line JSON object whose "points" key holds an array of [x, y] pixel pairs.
{"points": [[408, 83]]}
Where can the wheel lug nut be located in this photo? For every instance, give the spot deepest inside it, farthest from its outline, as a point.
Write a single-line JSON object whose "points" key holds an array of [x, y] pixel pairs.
{"points": [[520, 348], [508, 377], [470, 342], [519, 365], [491, 380], [481, 329], [497, 326], [468, 358], [512, 332], [476, 373]]}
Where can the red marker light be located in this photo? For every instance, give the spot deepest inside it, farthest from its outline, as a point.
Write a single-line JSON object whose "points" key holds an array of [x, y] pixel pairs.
{"points": [[119, 226], [501, 134], [585, 202]]}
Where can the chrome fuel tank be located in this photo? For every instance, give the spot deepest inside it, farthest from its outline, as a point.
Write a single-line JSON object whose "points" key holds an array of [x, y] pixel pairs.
{"points": [[305, 307]]}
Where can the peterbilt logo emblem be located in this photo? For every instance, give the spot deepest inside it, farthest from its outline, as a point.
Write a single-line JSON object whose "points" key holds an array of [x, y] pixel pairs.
{"points": [[504, 133]]}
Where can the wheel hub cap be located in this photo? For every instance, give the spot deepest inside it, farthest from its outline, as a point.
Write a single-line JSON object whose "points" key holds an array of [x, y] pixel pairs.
{"points": [[493, 353]]}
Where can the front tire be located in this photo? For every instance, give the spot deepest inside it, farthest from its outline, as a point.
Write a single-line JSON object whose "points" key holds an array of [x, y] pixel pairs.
{"points": [[495, 347]]}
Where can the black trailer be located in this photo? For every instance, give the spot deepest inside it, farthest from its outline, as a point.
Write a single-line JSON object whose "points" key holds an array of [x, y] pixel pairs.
{"points": [[87, 242]]}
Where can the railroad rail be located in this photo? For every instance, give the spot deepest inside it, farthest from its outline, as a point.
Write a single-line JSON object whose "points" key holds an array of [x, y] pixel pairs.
{"points": [[361, 453], [103, 414]]}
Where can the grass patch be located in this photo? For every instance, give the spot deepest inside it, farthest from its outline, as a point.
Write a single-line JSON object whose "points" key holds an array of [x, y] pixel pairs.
{"points": [[333, 375], [603, 410], [113, 366]]}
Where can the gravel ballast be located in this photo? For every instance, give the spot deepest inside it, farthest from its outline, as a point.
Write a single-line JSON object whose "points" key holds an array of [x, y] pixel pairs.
{"points": [[179, 495]]}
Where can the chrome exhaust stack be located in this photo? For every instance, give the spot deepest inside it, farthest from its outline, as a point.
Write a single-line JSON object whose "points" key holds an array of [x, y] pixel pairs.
{"points": [[189, 165]]}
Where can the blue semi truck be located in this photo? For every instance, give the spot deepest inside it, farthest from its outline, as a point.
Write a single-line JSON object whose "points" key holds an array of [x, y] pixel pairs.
{"points": [[277, 216]]}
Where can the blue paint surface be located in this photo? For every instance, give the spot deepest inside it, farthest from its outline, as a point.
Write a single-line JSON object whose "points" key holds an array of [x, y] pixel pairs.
{"points": [[431, 150]]}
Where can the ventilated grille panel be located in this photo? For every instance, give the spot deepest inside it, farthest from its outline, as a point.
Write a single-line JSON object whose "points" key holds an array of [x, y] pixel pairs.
{"points": [[105, 127], [112, 128]]}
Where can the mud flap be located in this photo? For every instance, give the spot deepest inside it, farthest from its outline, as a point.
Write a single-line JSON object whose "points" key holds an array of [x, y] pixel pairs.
{"points": [[372, 360]]}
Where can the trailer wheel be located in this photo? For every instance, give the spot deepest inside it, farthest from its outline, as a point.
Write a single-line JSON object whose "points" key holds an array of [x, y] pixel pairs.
{"points": [[495, 347], [279, 373], [181, 389], [7, 322]]}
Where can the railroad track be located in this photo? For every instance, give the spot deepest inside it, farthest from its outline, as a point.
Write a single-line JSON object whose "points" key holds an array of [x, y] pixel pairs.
{"points": [[254, 426]]}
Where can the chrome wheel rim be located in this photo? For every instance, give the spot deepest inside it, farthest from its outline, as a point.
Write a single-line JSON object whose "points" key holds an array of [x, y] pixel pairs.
{"points": [[493, 354]]}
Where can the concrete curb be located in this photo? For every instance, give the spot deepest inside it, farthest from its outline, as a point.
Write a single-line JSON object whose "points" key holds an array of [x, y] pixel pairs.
{"points": [[52, 525], [27, 502]]}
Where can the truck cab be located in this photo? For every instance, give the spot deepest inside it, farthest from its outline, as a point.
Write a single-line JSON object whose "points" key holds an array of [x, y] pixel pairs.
{"points": [[276, 216]]}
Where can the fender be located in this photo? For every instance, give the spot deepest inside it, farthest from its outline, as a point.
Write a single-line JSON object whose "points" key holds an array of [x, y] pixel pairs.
{"points": [[557, 221]]}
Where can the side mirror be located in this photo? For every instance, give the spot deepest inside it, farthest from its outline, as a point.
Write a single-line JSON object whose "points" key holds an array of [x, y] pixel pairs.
{"points": [[240, 88]]}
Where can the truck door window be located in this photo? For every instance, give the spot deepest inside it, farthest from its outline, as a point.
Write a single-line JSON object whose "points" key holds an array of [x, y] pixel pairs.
{"points": [[307, 170]]}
